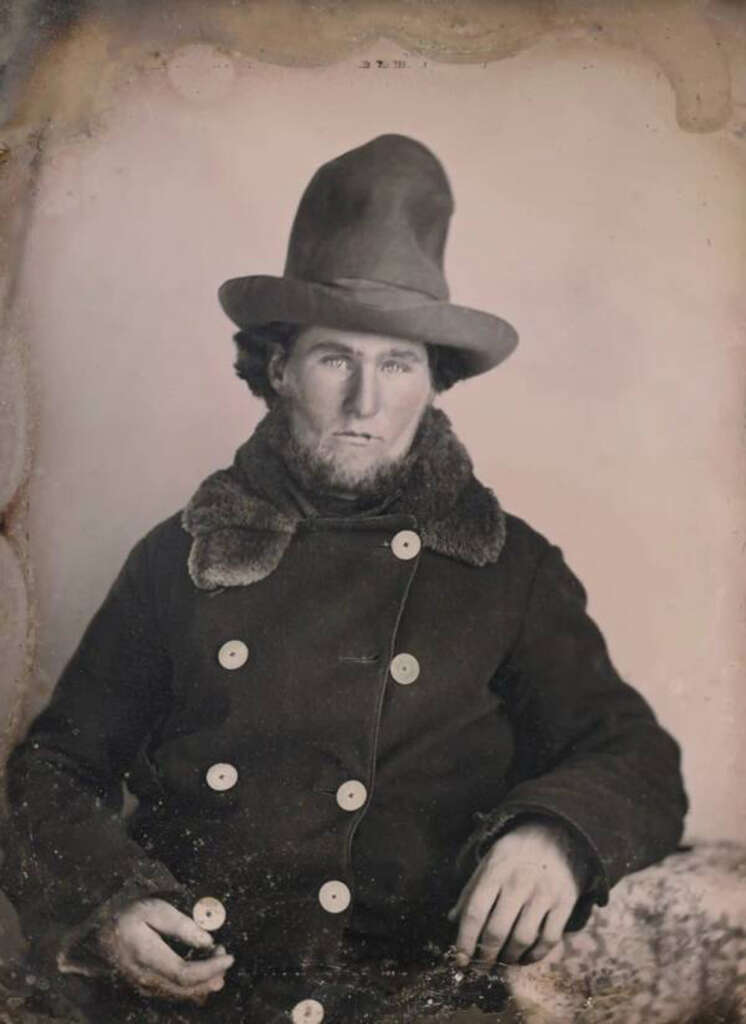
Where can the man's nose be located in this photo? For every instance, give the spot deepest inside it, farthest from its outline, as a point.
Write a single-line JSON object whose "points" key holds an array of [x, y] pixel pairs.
{"points": [[363, 398]]}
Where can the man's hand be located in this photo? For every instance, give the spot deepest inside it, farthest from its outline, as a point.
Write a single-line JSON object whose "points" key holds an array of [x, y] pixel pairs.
{"points": [[132, 944], [519, 898]]}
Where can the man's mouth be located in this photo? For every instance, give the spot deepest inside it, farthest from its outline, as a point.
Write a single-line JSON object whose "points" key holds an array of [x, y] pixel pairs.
{"points": [[357, 436]]}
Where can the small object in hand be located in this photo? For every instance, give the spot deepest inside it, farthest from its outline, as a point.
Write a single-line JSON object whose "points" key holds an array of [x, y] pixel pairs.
{"points": [[187, 952], [193, 953]]}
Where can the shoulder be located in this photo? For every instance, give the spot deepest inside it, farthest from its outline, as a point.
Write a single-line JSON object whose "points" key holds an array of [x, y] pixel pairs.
{"points": [[162, 549], [535, 560], [541, 562], [523, 542]]}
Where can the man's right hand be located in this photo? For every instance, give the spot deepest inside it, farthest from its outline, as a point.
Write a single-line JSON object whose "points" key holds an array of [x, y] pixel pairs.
{"points": [[132, 944]]}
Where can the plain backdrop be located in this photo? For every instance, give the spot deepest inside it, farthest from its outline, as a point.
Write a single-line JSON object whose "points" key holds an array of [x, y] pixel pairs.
{"points": [[611, 239]]}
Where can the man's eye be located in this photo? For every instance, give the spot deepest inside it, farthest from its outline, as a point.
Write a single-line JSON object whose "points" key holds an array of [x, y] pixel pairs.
{"points": [[336, 362], [394, 366]]}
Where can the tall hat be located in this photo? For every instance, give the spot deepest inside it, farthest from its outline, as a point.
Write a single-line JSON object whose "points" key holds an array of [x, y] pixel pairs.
{"points": [[366, 254]]}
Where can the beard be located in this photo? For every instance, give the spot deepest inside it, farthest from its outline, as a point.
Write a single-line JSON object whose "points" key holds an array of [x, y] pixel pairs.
{"points": [[319, 472]]}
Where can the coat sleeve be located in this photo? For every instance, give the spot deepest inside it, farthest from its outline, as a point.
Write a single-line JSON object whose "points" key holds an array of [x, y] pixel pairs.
{"points": [[65, 782], [589, 750]]}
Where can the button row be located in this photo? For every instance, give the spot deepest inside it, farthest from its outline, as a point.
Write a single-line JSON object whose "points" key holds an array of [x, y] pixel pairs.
{"points": [[209, 913], [334, 896], [351, 795], [234, 654]]}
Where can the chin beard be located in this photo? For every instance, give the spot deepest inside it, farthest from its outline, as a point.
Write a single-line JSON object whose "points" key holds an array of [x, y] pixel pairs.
{"points": [[319, 473]]}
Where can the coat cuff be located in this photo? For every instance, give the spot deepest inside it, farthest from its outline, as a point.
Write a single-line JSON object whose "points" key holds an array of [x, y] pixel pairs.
{"points": [[584, 856], [79, 951]]}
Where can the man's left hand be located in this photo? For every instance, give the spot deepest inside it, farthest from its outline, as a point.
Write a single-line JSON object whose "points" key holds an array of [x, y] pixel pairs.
{"points": [[518, 900]]}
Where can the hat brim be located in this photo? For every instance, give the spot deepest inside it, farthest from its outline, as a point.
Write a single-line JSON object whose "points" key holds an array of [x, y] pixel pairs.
{"points": [[484, 340]]}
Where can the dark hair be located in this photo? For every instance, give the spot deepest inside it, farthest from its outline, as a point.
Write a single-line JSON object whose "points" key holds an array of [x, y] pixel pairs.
{"points": [[255, 344]]}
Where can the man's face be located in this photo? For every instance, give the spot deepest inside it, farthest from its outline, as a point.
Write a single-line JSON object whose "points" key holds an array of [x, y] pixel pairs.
{"points": [[354, 400]]}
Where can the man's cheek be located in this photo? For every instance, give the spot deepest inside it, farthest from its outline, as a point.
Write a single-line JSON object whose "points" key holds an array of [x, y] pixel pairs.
{"points": [[310, 425]]}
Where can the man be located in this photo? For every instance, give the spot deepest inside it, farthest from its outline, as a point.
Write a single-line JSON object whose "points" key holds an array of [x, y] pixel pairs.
{"points": [[363, 710]]}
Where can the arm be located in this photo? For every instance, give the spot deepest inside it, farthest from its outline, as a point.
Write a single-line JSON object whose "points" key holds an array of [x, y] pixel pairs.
{"points": [[97, 888], [65, 781], [596, 779]]}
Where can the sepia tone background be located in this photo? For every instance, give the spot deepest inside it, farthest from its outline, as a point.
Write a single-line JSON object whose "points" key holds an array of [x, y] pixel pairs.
{"points": [[600, 206]]}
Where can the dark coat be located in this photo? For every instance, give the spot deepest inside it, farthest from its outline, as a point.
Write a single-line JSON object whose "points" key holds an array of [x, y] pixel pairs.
{"points": [[516, 711]]}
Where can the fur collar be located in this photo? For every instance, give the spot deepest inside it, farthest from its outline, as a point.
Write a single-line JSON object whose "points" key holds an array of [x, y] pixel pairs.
{"points": [[242, 519]]}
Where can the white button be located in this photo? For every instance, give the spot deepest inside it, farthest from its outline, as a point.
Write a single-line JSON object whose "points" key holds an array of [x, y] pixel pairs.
{"points": [[334, 897], [307, 1011], [209, 913], [406, 544], [405, 668], [221, 777], [233, 654], [351, 795]]}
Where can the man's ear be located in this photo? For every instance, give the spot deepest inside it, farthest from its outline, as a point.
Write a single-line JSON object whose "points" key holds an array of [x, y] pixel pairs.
{"points": [[276, 363]]}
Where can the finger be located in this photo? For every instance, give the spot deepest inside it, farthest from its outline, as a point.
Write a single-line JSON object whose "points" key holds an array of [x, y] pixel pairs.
{"points": [[197, 972], [466, 892], [154, 985], [551, 933], [500, 924], [474, 915], [167, 920], [526, 929], [155, 956]]}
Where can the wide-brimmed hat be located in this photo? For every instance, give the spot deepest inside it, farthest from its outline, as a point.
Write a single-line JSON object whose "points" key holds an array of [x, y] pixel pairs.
{"points": [[366, 254]]}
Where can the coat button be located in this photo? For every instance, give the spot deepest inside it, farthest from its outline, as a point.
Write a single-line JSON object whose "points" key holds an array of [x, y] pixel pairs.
{"points": [[334, 897], [405, 668], [233, 654], [221, 777], [406, 544], [209, 913], [351, 795], [307, 1011]]}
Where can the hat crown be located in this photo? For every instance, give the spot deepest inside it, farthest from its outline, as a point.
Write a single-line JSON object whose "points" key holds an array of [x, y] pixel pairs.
{"points": [[376, 213]]}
